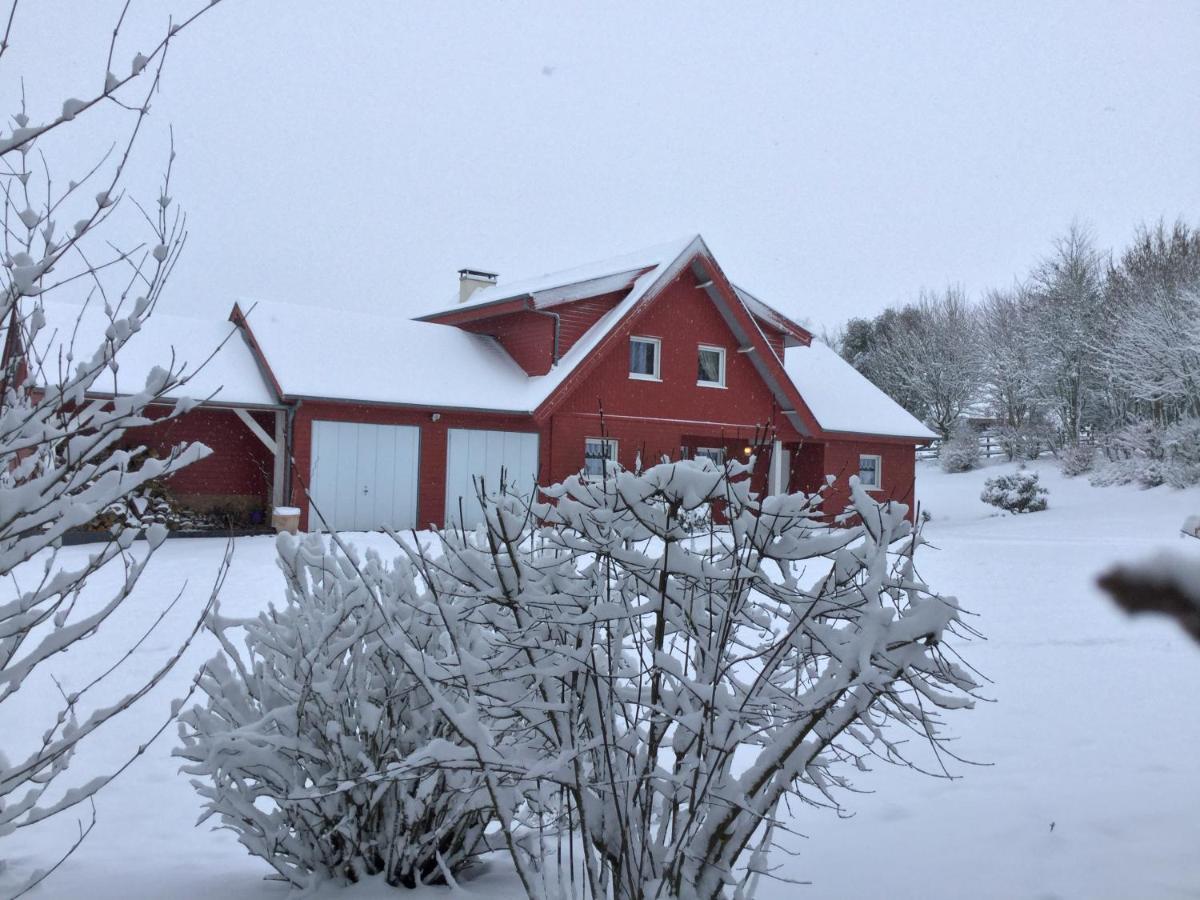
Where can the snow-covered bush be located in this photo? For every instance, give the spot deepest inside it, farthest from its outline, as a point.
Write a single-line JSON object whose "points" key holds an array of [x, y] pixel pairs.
{"points": [[1078, 460], [1181, 447], [1018, 492], [321, 697], [638, 701], [961, 452], [1139, 470], [1138, 440], [74, 235], [1026, 441]]}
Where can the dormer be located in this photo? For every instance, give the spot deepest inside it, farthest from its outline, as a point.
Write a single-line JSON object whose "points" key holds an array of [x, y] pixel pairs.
{"points": [[537, 321]]}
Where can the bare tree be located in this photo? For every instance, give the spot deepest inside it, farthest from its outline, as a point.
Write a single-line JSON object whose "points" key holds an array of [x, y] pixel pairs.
{"points": [[75, 236], [932, 357]]}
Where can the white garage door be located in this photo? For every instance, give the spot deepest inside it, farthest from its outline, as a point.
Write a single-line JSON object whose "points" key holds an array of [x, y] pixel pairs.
{"points": [[364, 476], [471, 454]]}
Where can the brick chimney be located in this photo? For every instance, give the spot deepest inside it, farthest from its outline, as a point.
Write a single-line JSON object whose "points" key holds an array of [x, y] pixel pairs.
{"points": [[471, 280]]}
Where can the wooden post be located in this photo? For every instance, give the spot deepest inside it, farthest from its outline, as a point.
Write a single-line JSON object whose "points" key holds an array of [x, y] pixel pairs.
{"points": [[279, 473]]}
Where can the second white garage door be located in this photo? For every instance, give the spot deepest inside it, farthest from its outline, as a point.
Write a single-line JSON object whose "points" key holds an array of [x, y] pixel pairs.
{"points": [[364, 476], [473, 453]]}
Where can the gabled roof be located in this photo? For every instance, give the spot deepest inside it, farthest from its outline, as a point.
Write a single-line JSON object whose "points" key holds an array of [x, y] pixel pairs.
{"points": [[74, 332], [843, 400], [316, 352], [383, 358]]}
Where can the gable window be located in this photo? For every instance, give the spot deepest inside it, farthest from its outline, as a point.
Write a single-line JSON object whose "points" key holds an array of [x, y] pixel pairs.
{"points": [[598, 453], [711, 371], [644, 362], [870, 472]]}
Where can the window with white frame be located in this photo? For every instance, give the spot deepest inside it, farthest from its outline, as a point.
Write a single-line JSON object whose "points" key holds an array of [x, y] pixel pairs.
{"points": [[870, 471], [711, 369], [597, 453], [716, 454], [644, 361]]}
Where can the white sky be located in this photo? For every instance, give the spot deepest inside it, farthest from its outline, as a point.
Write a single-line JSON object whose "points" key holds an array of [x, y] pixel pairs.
{"points": [[835, 159]]}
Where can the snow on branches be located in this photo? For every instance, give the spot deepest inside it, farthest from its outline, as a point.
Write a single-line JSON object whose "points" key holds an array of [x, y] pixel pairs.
{"points": [[631, 700], [63, 424], [320, 698]]}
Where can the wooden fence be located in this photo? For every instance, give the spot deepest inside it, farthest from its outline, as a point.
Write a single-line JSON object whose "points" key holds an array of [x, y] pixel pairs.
{"points": [[991, 445]]}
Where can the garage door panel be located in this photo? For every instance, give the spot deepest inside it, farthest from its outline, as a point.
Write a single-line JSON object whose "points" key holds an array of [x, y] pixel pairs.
{"points": [[475, 453], [385, 465], [364, 476]]}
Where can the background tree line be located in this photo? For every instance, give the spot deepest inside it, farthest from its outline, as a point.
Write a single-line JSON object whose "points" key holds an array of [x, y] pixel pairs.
{"points": [[1089, 346]]}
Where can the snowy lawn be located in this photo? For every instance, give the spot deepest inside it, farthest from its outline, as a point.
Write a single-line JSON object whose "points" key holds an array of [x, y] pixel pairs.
{"points": [[1089, 791]]}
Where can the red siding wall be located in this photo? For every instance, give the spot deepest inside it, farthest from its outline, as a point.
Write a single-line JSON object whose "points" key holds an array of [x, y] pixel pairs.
{"points": [[240, 466], [658, 417], [576, 318], [899, 470], [774, 338], [431, 467], [527, 336]]}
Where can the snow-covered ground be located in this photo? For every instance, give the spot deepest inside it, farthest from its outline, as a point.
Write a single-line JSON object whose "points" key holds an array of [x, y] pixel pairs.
{"points": [[1089, 789]]}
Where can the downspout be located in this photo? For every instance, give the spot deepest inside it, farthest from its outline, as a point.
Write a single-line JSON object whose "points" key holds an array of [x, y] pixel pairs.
{"points": [[557, 330], [289, 430]]}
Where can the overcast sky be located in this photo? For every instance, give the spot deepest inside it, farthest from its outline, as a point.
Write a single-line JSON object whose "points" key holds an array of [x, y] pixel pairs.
{"points": [[835, 159]]}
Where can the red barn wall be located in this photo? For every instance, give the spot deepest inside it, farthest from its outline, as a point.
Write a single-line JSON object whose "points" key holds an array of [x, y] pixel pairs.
{"points": [[431, 465], [236, 473]]}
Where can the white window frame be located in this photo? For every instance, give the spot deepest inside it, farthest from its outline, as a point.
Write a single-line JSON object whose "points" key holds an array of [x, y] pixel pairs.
{"points": [[715, 349], [657, 342], [611, 446], [708, 452], [878, 485]]}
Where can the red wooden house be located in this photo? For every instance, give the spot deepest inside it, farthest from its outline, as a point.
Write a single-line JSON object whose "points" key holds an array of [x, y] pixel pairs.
{"points": [[382, 419]]}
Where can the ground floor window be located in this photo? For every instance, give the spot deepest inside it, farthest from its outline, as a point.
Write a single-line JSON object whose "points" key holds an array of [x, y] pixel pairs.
{"points": [[870, 471], [716, 454], [597, 451]]}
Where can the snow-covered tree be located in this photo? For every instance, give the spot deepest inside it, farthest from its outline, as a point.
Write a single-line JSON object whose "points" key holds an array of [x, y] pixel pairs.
{"points": [[1067, 291], [932, 357], [1151, 349], [1009, 370], [74, 235], [636, 701]]}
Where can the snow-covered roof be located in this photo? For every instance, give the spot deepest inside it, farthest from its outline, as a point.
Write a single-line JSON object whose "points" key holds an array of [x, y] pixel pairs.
{"points": [[74, 332], [842, 399], [339, 354], [385, 358], [589, 280], [767, 313]]}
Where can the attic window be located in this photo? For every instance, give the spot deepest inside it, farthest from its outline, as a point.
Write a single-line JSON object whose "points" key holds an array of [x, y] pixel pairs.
{"points": [[644, 361], [711, 370]]}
